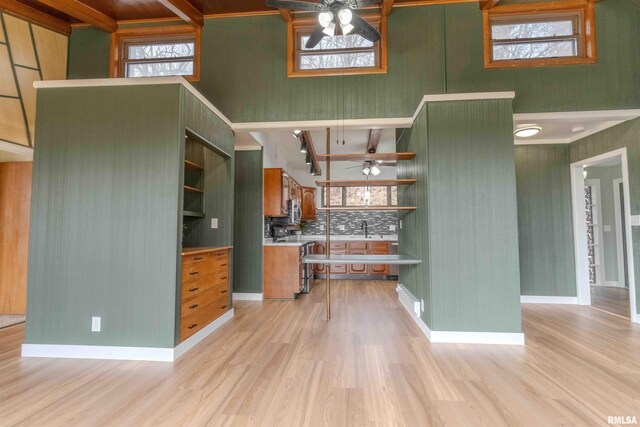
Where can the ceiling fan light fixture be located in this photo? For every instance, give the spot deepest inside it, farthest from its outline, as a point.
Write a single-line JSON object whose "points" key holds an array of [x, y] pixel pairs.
{"points": [[345, 16], [330, 29], [366, 170], [527, 131], [325, 18], [375, 171], [346, 28]]}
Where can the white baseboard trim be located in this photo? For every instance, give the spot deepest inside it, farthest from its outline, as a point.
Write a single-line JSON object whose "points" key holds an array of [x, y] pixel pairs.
{"points": [[239, 296], [150, 354], [613, 284], [534, 299], [451, 337], [193, 340]]}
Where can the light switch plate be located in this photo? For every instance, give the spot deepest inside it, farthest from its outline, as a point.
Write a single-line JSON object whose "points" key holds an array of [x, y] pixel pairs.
{"points": [[400, 224], [214, 222], [606, 228], [422, 305], [392, 227], [96, 324], [635, 220]]}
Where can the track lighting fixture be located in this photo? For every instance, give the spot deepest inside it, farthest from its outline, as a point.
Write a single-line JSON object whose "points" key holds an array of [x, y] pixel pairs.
{"points": [[307, 160], [296, 133], [303, 147]]}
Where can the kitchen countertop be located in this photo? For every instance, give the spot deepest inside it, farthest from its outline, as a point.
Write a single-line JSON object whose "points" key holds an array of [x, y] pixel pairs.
{"points": [[202, 250], [361, 259], [295, 241]]}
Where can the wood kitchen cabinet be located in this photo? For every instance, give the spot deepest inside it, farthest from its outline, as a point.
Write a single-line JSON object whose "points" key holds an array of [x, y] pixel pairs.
{"points": [[308, 203], [282, 273], [353, 248], [276, 192]]}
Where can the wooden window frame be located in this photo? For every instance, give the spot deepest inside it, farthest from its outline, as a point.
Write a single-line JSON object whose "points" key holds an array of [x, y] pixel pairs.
{"points": [[344, 197], [169, 33], [307, 24], [586, 37]]}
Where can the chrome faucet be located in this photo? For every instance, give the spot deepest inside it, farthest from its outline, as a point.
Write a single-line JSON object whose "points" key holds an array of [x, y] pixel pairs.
{"points": [[365, 226]]}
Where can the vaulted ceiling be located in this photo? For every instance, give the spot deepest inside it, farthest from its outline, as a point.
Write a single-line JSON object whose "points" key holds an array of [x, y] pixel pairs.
{"points": [[104, 14]]}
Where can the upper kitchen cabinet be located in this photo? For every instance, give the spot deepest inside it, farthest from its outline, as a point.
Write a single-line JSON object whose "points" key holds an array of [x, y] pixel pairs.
{"points": [[276, 192], [308, 203], [122, 166]]}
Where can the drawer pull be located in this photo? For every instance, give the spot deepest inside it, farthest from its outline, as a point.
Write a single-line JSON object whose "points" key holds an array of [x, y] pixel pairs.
{"points": [[224, 291], [222, 278], [197, 258], [193, 289], [193, 273], [193, 306], [192, 326], [224, 306], [223, 265]]}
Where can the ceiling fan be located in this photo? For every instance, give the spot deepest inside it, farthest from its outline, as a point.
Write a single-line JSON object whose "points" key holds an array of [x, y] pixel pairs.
{"points": [[329, 11]]}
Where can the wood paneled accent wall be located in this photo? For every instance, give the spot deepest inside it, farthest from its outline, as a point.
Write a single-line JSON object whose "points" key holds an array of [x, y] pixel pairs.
{"points": [[28, 53], [15, 202]]}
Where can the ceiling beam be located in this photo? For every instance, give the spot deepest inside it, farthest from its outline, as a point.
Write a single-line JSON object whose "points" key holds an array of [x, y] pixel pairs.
{"points": [[311, 150], [83, 13], [385, 7], [184, 10], [13, 7], [374, 140], [487, 4]]}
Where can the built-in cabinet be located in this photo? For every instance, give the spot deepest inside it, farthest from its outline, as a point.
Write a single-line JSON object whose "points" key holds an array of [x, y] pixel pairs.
{"points": [[282, 271], [205, 288], [280, 188], [308, 204], [353, 248]]}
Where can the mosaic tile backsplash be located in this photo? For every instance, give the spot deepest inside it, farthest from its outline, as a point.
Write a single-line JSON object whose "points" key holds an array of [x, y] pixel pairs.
{"points": [[345, 224]]}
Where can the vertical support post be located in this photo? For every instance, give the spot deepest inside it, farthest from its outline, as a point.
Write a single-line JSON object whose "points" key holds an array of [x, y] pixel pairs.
{"points": [[327, 194]]}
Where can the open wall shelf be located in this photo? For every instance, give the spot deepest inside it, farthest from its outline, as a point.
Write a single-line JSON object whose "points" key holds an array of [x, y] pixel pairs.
{"points": [[366, 182], [189, 165]]}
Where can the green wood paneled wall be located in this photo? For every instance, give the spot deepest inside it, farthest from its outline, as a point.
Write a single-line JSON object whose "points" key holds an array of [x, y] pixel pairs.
{"points": [[104, 217], [623, 135], [545, 224], [473, 226], [248, 82], [248, 231], [413, 236], [612, 83]]}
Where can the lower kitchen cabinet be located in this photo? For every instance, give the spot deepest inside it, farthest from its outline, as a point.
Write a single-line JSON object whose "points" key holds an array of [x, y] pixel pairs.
{"points": [[353, 248], [205, 289], [282, 272]]}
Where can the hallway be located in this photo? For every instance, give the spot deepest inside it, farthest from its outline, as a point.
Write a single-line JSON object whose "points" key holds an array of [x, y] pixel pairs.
{"points": [[611, 299], [280, 363]]}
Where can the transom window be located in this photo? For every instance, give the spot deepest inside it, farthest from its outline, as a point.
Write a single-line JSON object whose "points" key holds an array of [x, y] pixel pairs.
{"points": [[523, 35], [340, 54], [361, 196], [160, 51]]}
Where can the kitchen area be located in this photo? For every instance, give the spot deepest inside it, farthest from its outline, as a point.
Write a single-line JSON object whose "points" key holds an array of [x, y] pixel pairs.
{"points": [[294, 213]]}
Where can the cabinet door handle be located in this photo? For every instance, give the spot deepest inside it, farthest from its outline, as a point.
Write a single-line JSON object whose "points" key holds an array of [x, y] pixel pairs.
{"points": [[225, 277], [193, 273], [224, 306], [224, 291], [223, 265], [193, 289], [197, 258], [193, 306], [192, 326]]}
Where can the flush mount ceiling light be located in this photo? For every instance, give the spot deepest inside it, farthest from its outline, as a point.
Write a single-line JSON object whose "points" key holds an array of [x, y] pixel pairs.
{"points": [[527, 131]]}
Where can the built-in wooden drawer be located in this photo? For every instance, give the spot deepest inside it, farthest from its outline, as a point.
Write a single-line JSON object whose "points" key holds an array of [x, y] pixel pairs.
{"points": [[192, 272], [379, 246], [356, 248], [199, 301], [197, 320], [193, 288], [221, 256], [338, 245]]}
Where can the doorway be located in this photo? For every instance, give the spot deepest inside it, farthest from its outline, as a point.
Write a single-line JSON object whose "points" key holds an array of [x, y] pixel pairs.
{"points": [[602, 232]]}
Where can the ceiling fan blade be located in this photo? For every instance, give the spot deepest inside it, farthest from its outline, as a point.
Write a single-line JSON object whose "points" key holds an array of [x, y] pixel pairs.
{"points": [[295, 5], [365, 29], [315, 37], [363, 3]]}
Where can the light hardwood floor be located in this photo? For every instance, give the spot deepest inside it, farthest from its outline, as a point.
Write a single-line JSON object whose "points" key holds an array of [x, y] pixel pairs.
{"points": [[279, 363], [611, 299]]}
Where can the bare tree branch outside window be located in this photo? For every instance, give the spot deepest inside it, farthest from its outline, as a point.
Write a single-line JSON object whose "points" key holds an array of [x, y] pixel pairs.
{"points": [[142, 60], [316, 59], [529, 40]]}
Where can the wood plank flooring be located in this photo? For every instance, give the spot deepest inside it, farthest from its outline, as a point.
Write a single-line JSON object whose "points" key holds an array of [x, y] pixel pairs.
{"points": [[278, 363], [611, 299]]}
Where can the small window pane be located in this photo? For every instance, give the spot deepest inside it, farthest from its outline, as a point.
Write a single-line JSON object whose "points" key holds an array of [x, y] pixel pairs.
{"points": [[336, 196], [338, 60], [535, 50], [530, 30], [394, 196], [338, 42], [167, 50], [149, 69], [367, 196]]}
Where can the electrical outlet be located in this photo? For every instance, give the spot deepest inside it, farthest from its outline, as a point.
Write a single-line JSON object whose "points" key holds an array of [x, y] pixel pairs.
{"points": [[214, 222], [400, 224], [341, 227], [422, 305], [96, 324], [392, 227]]}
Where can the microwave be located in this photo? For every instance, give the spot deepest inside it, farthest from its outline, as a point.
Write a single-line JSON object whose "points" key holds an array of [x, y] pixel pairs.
{"points": [[295, 212]]}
